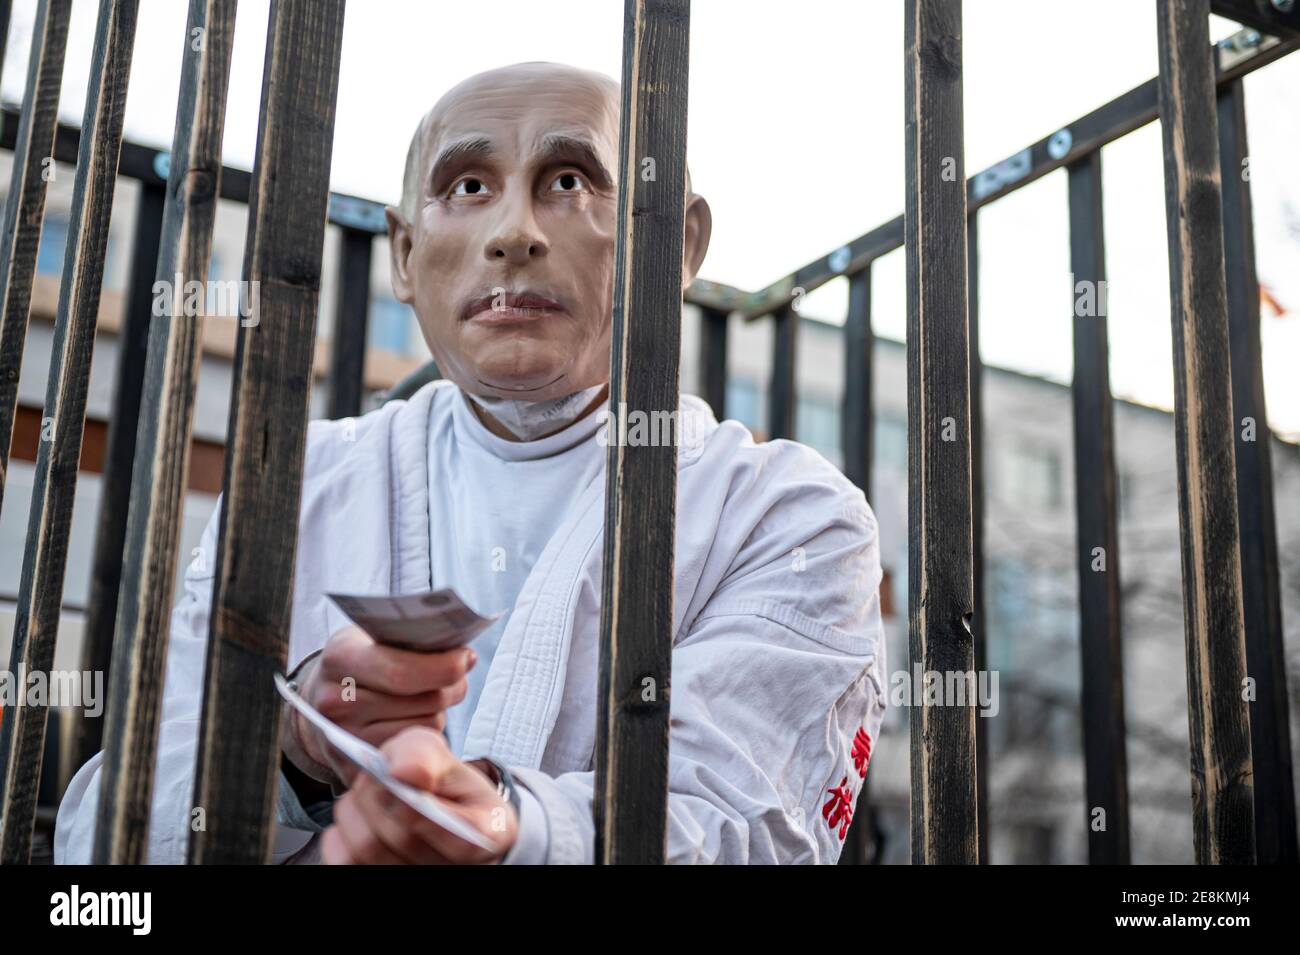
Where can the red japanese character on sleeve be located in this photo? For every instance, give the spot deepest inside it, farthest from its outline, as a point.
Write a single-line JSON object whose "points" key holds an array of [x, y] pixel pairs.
{"points": [[838, 810], [861, 752]]}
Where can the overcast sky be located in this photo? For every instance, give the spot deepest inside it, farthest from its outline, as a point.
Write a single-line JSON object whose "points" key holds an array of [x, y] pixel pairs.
{"points": [[796, 139]]}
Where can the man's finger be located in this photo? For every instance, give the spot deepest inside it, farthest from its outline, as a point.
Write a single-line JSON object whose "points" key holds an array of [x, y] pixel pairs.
{"points": [[333, 849], [373, 706], [351, 653], [421, 757], [397, 825], [377, 734], [357, 829]]}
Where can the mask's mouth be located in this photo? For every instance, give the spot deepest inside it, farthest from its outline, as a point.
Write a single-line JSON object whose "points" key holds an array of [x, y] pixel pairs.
{"points": [[501, 305]]}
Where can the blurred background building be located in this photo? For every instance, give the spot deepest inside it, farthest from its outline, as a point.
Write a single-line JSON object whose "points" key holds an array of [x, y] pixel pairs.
{"points": [[1030, 591]]}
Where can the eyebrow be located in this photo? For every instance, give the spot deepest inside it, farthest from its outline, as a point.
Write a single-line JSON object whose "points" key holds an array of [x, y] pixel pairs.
{"points": [[460, 151], [556, 147]]}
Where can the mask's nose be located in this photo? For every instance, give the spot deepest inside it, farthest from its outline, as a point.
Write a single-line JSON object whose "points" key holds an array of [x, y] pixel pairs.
{"points": [[518, 240]]}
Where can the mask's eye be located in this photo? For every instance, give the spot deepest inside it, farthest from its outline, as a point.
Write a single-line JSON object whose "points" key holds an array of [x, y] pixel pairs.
{"points": [[569, 182], [470, 186]]}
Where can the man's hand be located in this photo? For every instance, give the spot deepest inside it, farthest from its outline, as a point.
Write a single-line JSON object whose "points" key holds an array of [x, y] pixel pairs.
{"points": [[372, 826], [374, 692]]}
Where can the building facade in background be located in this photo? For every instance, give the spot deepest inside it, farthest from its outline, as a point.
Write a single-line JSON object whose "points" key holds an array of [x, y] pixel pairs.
{"points": [[1031, 620]]}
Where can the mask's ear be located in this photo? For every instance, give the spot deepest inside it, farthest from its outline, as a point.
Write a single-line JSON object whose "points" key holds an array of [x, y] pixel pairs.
{"points": [[699, 227], [399, 251]]}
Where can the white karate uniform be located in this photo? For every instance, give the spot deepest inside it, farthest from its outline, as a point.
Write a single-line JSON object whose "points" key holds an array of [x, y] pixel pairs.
{"points": [[778, 661], [494, 504]]}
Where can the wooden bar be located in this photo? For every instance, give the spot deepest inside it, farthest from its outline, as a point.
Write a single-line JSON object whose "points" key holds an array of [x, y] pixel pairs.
{"points": [[943, 760], [1107, 123], [978, 618], [351, 314], [1097, 537], [630, 801], [140, 162], [235, 777], [858, 421], [119, 457], [857, 429], [1270, 727], [1278, 17], [713, 359], [162, 451], [715, 295], [25, 206], [782, 389], [22, 733], [1222, 789]]}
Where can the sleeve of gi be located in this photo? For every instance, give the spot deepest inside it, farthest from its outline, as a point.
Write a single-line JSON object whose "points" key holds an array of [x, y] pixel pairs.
{"points": [[173, 816], [777, 699]]}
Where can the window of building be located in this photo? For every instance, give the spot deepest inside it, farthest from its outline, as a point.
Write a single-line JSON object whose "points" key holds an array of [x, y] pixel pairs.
{"points": [[54, 238], [391, 324], [817, 424], [1006, 596], [115, 277], [745, 403], [1034, 475], [890, 443], [216, 296]]}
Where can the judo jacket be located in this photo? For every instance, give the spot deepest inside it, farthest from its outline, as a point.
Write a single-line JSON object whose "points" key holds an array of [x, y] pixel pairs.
{"points": [[778, 664]]}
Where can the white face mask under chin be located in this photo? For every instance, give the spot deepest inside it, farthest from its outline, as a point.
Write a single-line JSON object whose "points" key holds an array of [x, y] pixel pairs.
{"points": [[530, 420]]}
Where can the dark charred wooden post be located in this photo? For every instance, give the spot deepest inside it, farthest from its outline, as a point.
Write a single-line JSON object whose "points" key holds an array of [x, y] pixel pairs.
{"points": [[978, 618], [857, 429], [348, 354], [115, 496], [1222, 790], [1097, 540], [161, 463], [630, 803], [940, 600], [781, 390], [25, 208], [713, 359], [858, 421], [40, 598], [248, 642], [1270, 729]]}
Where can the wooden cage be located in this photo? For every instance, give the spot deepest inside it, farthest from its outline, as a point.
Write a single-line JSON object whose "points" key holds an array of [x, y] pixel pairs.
{"points": [[1241, 774]]}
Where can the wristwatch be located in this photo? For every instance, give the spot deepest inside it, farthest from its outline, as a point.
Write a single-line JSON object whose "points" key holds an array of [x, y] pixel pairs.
{"points": [[505, 782]]}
